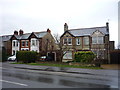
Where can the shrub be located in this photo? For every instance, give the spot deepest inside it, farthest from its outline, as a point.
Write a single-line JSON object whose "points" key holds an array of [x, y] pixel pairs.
{"points": [[26, 56], [84, 56], [4, 55]]}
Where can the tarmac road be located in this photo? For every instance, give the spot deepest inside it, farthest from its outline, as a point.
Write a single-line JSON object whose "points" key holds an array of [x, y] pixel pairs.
{"points": [[26, 78]]}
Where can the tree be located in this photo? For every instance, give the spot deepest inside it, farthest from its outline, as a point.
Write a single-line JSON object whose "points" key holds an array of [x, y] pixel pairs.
{"points": [[60, 47]]}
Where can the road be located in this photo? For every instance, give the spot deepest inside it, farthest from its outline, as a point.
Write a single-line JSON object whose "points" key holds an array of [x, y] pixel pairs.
{"points": [[23, 78]]}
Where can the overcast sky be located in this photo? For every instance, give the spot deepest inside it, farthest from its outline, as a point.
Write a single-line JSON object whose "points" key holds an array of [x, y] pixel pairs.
{"points": [[38, 15]]}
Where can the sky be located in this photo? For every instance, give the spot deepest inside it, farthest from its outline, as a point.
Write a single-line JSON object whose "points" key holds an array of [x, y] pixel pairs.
{"points": [[39, 15]]}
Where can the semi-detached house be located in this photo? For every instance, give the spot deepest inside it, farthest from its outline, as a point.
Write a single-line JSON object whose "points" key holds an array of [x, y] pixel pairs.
{"points": [[41, 42]]}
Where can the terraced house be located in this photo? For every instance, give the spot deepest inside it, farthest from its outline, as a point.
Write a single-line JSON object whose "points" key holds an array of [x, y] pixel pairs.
{"points": [[94, 39]]}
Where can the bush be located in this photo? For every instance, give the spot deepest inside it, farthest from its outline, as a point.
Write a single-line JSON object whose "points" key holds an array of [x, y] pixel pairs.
{"points": [[4, 55], [26, 56], [84, 56]]}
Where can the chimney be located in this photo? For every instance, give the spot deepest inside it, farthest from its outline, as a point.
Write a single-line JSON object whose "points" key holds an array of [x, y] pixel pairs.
{"points": [[107, 26], [21, 32], [48, 30], [15, 32], [65, 27]]}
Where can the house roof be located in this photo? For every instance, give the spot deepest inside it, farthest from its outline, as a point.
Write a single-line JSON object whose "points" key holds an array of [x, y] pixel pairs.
{"points": [[87, 31], [6, 37], [40, 34], [26, 35]]}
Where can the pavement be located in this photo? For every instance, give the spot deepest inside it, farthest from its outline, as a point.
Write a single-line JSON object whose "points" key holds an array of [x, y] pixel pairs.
{"points": [[105, 72]]}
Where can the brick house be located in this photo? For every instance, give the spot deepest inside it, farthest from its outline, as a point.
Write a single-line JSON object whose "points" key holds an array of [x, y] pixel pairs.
{"points": [[94, 39], [6, 43], [41, 42]]}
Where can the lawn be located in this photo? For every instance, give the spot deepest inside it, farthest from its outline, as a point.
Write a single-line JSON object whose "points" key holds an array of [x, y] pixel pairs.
{"points": [[59, 65]]}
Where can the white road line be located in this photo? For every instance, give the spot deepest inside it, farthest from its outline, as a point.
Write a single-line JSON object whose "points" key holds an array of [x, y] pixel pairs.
{"points": [[14, 83]]}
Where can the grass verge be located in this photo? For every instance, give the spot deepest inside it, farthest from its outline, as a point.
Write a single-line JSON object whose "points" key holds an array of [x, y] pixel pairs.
{"points": [[59, 65]]}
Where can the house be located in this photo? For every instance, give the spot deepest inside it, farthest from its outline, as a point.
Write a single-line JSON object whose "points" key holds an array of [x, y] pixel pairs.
{"points": [[6, 43], [41, 42], [35, 41], [94, 39]]}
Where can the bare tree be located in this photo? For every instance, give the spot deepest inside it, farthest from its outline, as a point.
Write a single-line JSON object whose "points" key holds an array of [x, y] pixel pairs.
{"points": [[60, 47]]}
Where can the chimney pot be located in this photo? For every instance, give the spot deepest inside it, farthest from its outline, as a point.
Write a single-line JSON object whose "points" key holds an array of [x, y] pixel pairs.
{"points": [[21, 32], [15, 32], [48, 30]]}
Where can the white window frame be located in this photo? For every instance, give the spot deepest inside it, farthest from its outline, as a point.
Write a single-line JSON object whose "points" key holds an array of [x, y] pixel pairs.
{"points": [[97, 40], [67, 41], [70, 41], [77, 41]]}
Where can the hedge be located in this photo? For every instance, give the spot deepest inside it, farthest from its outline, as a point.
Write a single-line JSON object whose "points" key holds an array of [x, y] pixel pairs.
{"points": [[26, 56], [4, 54], [84, 56]]}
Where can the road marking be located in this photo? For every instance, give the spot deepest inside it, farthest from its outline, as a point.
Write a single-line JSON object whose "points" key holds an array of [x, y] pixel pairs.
{"points": [[14, 83]]}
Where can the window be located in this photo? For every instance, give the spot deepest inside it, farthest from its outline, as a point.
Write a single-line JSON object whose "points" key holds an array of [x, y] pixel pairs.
{"points": [[13, 52], [68, 55], [69, 41], [86, 40], [36, 42], [14, 43], [26, 43], [100, 40], [17, 43], [33, 42], [97, 40], [65, 41], [94, 40], [23, 43], [77, 41]]}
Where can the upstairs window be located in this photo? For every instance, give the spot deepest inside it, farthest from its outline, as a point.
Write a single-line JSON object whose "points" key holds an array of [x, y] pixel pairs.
{"points": [[69, 41], [14, 43], [26, 43], [33, 42], [77, 41], [23, 43], [17, 43], [97, 40], [86, 40], [65, 41]]}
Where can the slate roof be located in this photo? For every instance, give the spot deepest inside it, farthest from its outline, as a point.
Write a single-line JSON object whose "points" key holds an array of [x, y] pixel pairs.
{"points": [[24, 36], [6, 37], [87, 31], [40, 34]]}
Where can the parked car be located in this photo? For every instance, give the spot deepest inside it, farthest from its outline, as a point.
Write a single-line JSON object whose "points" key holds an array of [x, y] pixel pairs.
{"points": [[12, 58], [43, 58]]}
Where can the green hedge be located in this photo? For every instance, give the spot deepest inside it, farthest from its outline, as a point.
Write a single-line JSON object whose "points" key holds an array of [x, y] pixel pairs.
{"points": [[84, 56], [4, 55], [26, 56]]}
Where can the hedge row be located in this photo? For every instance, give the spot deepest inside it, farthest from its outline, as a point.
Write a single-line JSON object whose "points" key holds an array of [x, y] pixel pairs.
{"points": [[84, 56], [26, 56]]}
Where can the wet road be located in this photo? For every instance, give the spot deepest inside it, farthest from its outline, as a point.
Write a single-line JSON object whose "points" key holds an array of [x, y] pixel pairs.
{"points": [[22, 78]]}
